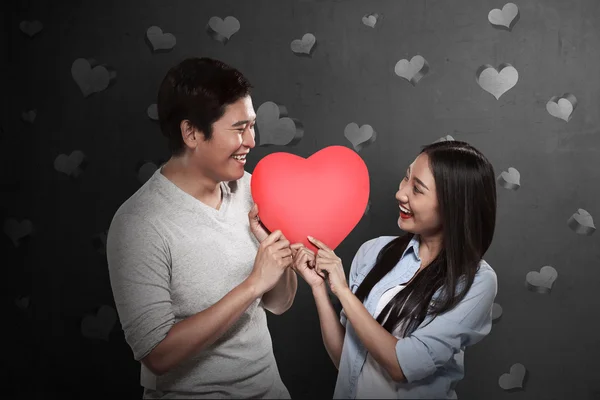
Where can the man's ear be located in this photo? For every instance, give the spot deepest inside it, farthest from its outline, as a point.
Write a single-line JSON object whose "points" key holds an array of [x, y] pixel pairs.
{"points": [[190, 135]]}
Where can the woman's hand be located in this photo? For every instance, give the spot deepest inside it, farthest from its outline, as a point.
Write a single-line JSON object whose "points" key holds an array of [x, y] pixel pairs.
{"points": [[330, 265], [304, 263]]}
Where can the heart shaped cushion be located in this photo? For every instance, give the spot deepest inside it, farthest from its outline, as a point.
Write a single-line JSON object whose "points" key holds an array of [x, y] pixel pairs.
{"points": [[324, 195]]}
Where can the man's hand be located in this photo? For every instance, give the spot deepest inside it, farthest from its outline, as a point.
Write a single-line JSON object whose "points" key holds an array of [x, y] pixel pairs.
{"points": [[258, 229]]}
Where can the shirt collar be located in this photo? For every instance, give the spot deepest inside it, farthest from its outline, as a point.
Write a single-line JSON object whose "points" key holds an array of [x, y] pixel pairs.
{"points": [[413, 246]]}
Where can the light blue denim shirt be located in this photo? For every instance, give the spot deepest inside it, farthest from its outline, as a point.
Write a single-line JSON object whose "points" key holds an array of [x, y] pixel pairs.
{"points": [[432, 357]]}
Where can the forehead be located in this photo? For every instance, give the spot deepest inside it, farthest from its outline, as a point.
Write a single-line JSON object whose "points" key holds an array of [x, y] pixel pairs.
{"points": [[420, 168], [242, 109]]}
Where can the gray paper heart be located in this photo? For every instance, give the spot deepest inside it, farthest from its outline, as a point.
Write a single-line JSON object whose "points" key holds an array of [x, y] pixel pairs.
{"points": [[31, 28], [359, 137], [541, 282], [99, 326], [92, 77], [17, 231], [159, 40], [514, 379], [275, 127], [222, 30], [71, 165], [304, 45]]}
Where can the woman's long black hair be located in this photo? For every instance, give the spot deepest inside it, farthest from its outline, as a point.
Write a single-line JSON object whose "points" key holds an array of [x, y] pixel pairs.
{"points": [[466, 193]]}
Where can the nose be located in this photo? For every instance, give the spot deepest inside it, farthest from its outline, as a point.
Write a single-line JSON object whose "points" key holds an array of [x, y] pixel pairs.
{"points": [[248, 138], [401, 195]]}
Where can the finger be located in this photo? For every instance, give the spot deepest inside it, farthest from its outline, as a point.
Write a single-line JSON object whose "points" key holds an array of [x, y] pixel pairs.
{"points": [[285, 252], [307, 252], [326, 256], [322, 272], [253, 212], [318, 243], [272, 238], [300, 260], [297, 246], [282, 243]]}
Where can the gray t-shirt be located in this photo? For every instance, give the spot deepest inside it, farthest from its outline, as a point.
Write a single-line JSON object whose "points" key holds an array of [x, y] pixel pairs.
{"points": [[171, 256]]}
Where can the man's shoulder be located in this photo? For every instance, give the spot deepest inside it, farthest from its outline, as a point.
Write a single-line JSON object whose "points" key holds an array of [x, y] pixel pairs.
{"points": [[141, 208]]}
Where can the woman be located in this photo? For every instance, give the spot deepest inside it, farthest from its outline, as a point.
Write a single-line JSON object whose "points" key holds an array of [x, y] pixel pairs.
{"points": [[416, 301]]}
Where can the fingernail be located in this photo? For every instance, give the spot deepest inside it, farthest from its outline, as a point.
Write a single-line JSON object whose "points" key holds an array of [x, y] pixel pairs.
{"points": [[310, 237]]}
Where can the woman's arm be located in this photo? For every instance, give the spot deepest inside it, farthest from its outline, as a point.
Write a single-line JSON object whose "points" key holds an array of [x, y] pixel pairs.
{"points": [[379, 342], [331, 329]]}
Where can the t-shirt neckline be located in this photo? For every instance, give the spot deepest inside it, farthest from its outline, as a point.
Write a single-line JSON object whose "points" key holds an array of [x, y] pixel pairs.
{"points": [[185, 199]]}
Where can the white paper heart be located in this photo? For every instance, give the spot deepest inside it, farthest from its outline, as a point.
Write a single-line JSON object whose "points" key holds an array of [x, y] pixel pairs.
{"points": [[582, 223], [444, 139], [497, 83], [412, 70], [510, 180], [370, 20], [562, 107], [507, 17]]}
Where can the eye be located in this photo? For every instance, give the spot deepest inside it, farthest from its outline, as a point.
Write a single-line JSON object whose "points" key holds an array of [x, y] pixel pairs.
{"points": [[241, 130], [415, 190]]}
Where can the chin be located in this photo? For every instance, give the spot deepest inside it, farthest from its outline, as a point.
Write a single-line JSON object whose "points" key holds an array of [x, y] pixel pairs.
{"points": [[404, 227], [236, 176]]}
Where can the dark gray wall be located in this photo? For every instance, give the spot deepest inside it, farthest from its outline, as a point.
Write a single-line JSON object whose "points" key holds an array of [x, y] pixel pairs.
{"points": [[56, 275]]}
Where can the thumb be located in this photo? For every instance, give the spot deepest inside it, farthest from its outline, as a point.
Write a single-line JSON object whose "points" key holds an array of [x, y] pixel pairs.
{"points": [[253, 211]]}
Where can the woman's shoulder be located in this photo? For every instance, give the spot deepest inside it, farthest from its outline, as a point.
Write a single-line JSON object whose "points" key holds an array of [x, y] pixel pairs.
{"points": [[368, 251], [485, 279], [373, 246]]}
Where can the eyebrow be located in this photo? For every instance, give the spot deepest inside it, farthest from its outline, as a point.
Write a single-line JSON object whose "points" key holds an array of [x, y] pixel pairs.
{"points": [[239, 123], [420, 182]]}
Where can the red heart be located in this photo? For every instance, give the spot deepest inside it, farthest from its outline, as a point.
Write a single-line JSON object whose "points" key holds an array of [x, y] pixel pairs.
{"points": [[324, 195]]}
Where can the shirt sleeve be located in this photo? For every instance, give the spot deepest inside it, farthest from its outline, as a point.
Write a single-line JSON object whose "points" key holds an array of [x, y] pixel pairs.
{"points": [[431, 346], [355, 267], [139, 269]]}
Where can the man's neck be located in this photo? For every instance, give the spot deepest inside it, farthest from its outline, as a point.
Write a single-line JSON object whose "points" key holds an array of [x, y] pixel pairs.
{"points": [[193, 182]]}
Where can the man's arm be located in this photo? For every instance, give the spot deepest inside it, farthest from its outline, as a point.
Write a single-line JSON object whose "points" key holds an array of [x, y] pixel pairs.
{"points": [[281, 297], [139, 271], [199, 331]]}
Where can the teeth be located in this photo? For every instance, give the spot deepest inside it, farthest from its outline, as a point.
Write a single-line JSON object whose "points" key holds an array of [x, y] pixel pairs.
{"points": [[240, 157], [405, 210]]}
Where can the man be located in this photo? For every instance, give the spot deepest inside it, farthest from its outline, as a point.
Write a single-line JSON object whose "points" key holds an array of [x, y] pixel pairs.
{"points": [[191, 268]]}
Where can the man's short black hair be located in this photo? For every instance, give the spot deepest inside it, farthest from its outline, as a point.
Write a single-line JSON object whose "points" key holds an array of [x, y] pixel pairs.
{"points": [[199, 90]]}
